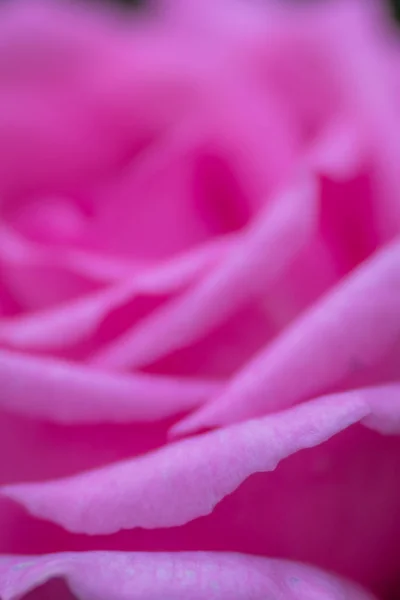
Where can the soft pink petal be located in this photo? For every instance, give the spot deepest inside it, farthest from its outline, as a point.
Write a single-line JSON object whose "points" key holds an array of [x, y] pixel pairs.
{"points": [[158, 576], [296, 511], [224, 350], [17, 251], [96, 115], [203, 469], [35, 277], [67, 393], [358, 39], [46, 40], [346, 237], [52, 450], [70, 322], [307, 510], [134, 215], [312, 273], [385, 405], [267, 248], [51, 329], [302, 57], [338, 151], [156, 277], [352, 328]]}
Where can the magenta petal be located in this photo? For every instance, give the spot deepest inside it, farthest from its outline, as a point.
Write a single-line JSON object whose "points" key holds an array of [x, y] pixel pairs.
{"points": [[338, 152], [203, 470], [51, 328], [385, 406], [180, 576], [351, 329], [18, 252], [67, 393], [266, 249], [107, 100], [358, 38], [297, 511]]}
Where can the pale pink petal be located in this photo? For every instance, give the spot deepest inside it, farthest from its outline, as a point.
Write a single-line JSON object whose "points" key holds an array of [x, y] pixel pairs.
{"points": [[157, 277], [34, 276], [338, 151], [66, 324], [312, 273], [357, 37], [181, 576], [347, 233], [385, 406], [352, 328], [296, 511], [17, 251], [104, 107], [38, 41], [306, 63], [68, 393], [267, 248], [214, 166], [133, 211], [345, 238], [203, 469], [51, 329], [224, 350]]}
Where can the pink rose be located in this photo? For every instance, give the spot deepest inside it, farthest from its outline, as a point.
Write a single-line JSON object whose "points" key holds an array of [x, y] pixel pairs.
{"points": [[199, 301]]}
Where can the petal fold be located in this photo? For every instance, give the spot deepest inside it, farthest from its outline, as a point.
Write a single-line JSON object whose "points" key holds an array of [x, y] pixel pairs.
{"points": [[51, 329], [181, 576], [184, 480], [64, 392], [353, 328], [266, 249]]}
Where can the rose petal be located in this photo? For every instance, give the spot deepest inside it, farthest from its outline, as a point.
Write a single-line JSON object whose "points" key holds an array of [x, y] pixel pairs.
{"points": [[67, 393], [157, 576], [39, 41], [296, 511], [266, 249], [219, 354], [51, 450], [160, 277], [18, 252], [176, 166], [105, 103], [385, 406], [51, 329], [338, 151], [357, 36], [203, 469], [34, 277], [312, 272], [353, 327]]}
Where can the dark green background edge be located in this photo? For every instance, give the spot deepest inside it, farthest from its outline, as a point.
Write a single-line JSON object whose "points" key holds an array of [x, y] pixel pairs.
{"points": [[394, 4]]}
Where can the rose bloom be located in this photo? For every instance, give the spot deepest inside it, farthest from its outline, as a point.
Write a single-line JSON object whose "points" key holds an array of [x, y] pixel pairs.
{"points": [[199, 301]]}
